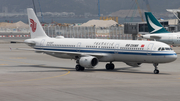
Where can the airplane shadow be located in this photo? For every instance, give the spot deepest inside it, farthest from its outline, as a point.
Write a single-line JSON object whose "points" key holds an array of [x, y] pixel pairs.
{"points": [[125, 70], [62, 69]]}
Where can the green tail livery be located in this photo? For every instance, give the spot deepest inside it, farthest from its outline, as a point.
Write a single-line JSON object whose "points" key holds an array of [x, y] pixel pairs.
{"points": [[153, 24]]}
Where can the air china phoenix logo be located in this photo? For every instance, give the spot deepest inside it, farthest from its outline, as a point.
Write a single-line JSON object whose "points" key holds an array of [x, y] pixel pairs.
{"points": [[33, 25]]}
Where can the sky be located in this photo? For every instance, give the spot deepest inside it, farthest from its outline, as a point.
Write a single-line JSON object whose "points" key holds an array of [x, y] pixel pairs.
{"points": [[83, 6]]}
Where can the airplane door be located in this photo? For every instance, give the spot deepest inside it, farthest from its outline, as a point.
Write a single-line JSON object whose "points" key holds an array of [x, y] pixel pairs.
{"points": [[78, 46], [178, 39], [116, 48], [170, 39], [150, 46], [42, 42]]}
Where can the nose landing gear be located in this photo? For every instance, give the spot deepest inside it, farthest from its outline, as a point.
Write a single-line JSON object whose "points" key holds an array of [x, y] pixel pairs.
{"points": [[156, 71]]}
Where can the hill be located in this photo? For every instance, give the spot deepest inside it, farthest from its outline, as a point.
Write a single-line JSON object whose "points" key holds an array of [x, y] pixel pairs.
{"points": [[79, 7]]}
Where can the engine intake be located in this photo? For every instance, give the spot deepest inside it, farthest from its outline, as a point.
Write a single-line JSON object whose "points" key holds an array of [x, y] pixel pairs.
{"points": [[88, 61]]}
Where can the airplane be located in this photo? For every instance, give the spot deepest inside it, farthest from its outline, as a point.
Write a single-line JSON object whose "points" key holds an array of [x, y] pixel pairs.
{"points": [[89, 52], [158, 32]]}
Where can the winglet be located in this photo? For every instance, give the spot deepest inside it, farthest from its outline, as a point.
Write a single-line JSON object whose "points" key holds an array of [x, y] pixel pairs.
{"points": [[153, 24]]}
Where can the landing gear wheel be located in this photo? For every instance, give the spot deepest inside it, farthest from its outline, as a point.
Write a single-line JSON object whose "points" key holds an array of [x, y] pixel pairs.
{"points": [[109, 66], [82, 68], [156, 71], [112, 66], [79, 68]]}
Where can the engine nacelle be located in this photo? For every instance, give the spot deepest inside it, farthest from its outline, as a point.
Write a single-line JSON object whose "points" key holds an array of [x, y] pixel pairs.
{"points": [[88, 61], [133, 64], [145, 36]]}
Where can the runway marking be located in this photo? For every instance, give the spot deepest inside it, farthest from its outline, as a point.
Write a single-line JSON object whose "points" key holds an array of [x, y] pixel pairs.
{"points": [[3, 64], [37, 78], [18, 58], [15, 61], [40, 78]]}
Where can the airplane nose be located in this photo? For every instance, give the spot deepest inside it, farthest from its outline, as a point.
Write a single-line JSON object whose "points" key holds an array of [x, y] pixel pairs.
{"points": [[173, 57]]}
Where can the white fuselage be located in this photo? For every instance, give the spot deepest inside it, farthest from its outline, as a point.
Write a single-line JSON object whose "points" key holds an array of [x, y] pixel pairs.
{"points": [[113, 50], [168, 38]]}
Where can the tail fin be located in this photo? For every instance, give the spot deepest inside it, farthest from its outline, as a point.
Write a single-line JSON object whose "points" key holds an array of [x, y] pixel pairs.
{"points": [[153, 24], [36, 29]]}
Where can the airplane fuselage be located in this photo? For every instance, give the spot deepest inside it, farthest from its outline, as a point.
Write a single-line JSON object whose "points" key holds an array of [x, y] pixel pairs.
{"points": [[113, 50], [168, 38]]}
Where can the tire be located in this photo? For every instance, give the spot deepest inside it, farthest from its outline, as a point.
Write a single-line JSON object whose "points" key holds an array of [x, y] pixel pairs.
{"points": [[112, 66], [107, 66], [78, 67], [156, 71], [82, 68]]}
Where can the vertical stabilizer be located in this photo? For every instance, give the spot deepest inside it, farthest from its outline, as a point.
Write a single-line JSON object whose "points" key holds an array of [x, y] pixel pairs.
{"points": [[36, 29], [153, 24]]}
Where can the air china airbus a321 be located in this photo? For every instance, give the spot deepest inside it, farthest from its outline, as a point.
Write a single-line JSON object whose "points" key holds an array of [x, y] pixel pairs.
{"points": [[88, 52]]}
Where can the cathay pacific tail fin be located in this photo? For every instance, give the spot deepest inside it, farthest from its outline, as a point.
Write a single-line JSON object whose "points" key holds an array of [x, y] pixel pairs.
{"points": [[153, 24], [36, 29]]}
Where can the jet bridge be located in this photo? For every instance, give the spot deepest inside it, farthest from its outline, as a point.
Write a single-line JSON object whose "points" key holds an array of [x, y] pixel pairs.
{"points": [[176, 13]]}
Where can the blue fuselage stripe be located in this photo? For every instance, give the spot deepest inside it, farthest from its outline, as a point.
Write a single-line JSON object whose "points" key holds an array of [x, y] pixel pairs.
{"points": [[109, 51]]}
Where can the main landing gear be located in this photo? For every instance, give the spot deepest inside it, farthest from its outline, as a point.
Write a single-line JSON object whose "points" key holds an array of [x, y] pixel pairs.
{"points": [[156, 71], [109, 66], [79, 67]]}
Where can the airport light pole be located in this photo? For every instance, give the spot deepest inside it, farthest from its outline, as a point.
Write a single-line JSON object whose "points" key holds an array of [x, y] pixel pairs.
{"points": [[34, 7]]}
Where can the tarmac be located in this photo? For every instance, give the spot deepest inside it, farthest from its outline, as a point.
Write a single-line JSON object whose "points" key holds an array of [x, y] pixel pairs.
{"points": [[30, 76]]}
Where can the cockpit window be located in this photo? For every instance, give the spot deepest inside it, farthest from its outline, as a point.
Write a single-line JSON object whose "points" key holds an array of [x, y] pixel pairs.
{"points": [[162, 49], [159, 49]]}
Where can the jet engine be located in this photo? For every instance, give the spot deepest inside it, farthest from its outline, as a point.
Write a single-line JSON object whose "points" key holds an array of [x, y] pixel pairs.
{"points": [[133, 64], [88, 61]]}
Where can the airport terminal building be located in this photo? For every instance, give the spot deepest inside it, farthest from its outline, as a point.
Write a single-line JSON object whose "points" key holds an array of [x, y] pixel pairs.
{"points": [[135, 28]]}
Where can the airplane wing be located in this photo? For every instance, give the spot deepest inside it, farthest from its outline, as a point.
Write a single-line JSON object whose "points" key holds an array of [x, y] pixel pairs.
{"points": [[98, 55]]}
